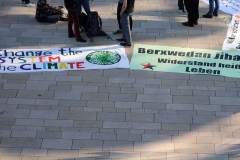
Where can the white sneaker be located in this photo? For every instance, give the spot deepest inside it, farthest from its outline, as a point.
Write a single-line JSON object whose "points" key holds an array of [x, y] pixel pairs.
{"points": [[30, 5]]}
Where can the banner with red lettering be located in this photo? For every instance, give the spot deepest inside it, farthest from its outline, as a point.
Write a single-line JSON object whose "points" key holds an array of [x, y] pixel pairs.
{"points": [[60, 59]]}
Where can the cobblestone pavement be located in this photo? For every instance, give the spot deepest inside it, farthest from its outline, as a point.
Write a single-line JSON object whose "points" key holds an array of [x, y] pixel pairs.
{"points": [[117, 114]]}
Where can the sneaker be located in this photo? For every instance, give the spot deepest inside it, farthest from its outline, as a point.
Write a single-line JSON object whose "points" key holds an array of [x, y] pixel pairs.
{"points": [[30, 5], [125, 45], [188, 24], [207, 16], [117, 32], [215, 14], [121, 39], [182, 11]]}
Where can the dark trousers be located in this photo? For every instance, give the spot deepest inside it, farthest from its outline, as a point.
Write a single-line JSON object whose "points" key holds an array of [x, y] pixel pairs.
{"points": [[180, 4], [26, 1], [119, 8], [73, 19], [192, 8]]}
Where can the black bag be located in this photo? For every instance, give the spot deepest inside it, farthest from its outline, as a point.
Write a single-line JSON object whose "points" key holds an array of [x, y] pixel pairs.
{"points": [[92, 24]]}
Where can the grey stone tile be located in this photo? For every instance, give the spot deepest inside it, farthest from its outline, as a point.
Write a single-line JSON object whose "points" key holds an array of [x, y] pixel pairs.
{"points": [[48, 135], [35, 94], [77, 115], [173, 118], [113, 117], [44, 114], [95, 96], [191, 99], [21, 143], [122, 97], [88, 144], [154, 98], [57, 143]]}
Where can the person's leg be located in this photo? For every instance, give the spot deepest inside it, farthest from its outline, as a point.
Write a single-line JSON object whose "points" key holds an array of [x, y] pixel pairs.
{"points": [[126, 28], [86, 6], [118, 15], [216, 7], [79, 8], [131, 21], [76, 27], [70, 23], [190, 9], [180, 5], [196, 11], [211, 7]]}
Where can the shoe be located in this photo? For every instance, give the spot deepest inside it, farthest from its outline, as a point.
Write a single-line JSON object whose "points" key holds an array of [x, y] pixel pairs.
{"points": [[30, 5], [207, 16], [125, 45], [215, 14], [117, 32], [82, 40], [121, 39], [71, 36], [195, 23], [182, 11], [188, 24]]}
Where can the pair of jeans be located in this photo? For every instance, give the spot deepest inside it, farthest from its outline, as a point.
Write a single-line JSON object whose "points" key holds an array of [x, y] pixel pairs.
{"points": [[119, 8], [86, 6], [211, 7], [126, 28]]}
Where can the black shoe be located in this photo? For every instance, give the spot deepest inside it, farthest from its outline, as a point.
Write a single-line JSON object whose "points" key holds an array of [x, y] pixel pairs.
{"points": [[195, 23], [125, 45], [188, 24], [117, 32], [82, 40], [215, 14], [121, 39], [207, 16]]}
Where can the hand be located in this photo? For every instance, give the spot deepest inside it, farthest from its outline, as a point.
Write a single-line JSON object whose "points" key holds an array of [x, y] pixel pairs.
{"points": [[121, 13]]}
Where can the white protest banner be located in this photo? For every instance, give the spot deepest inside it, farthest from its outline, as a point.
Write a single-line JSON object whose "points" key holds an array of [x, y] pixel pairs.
{"points": [[60, 59], [228, 6], [232, 41]]}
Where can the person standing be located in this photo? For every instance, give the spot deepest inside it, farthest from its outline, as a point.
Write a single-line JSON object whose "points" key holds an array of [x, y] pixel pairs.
{"points": [[127, 9], [71, 6], [212, 11], [193, 13], [28, 3], [119, 8]]}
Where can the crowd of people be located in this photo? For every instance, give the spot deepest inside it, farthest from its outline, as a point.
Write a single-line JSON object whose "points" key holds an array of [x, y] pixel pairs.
{"points": [[47, 13]]}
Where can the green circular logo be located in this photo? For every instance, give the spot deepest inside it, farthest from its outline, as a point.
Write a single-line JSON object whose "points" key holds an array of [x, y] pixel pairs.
{"points": [[103, 58]]}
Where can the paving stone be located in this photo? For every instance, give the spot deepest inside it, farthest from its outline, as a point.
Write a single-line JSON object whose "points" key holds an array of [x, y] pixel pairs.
{"points": [[35, 94], [87, 73], [21, 143], [77, 115], [148, 81], [137, 117], [109, 90], [33, 152], [48, 135], [212, 157], [118, 146], [132, 90], [103, 136], [5, 133], [75, 103], [62, 153], [227, 149], [96, 79], [128, 105], [179, 106], [37, 87], [57, 143], [88, 144], [204, 93], [88, 124], [156, 138], [122, 97], [67, 95], [60, 88], [173, 118], [176, 156], [10, 151], [30, 122], [205, 128], [44, 114], [146, 125], [113, 117], [75, 135], [191, 99], [220, 120], [194, 148], [47, 102], [92, 154], [153, 146], [79, 89], [176, 127], [121, 80], [117, 125], [26, 134], [183, 92], [209, 140], [95, 96], [8, 93], [119, 73], [129, 137], [19, 101], [154, 106], [15, 113], [61, 123], [154, 98]]}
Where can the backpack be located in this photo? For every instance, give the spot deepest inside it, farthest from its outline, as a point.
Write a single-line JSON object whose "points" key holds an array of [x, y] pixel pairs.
{"points": [[92, 24]]}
